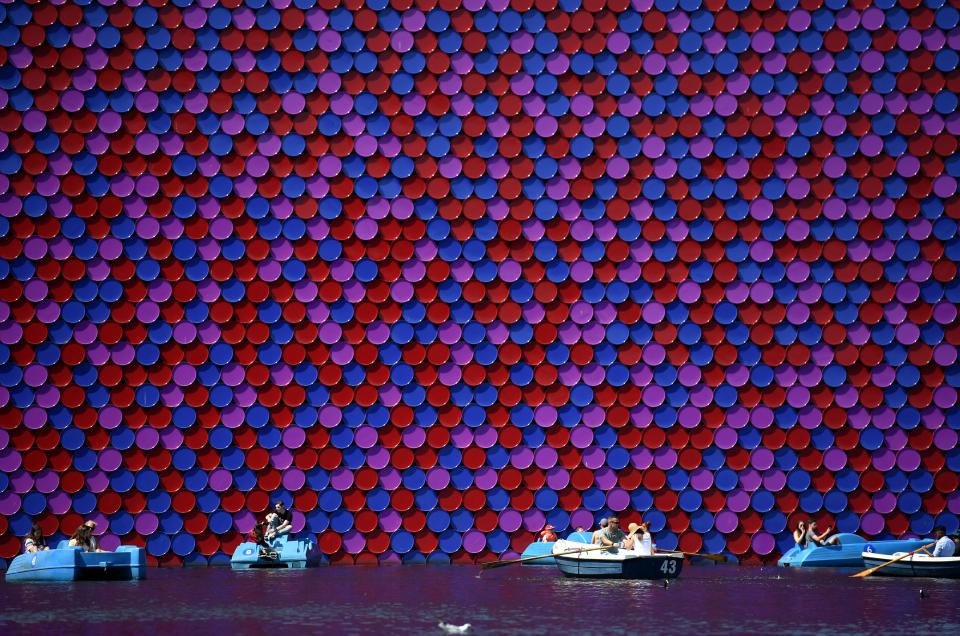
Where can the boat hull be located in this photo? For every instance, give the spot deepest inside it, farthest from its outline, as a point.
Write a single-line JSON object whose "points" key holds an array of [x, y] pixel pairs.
{"points": [[619, 564], [291, 553], [918, 565], [128, 563], [845, 555], [640, 567]]}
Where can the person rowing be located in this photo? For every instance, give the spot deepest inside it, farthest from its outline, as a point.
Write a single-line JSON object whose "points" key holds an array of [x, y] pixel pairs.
{"points": [[613, 537], [944, 546]]}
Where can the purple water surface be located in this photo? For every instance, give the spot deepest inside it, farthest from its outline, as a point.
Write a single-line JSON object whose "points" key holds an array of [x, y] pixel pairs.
{"points": [[707, 599]]}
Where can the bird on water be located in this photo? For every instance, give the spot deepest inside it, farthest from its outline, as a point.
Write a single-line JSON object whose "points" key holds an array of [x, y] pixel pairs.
{"points": [[454, 629]]}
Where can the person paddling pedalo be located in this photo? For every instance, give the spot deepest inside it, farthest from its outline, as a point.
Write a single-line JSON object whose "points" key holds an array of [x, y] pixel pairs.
{"points": [[548, 534], [806, 536], [279, 522], [34, 541], [83, 537]]}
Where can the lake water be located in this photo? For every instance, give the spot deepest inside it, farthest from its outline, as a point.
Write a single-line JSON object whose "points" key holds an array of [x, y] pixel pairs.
{"points": [[706, 599]]}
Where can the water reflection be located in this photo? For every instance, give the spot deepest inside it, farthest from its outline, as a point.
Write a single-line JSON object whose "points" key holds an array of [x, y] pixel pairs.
{"points": [[635, 590]]}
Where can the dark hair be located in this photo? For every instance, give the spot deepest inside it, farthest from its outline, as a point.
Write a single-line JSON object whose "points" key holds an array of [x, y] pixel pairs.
{"points": [[279, 502], [82, 534], [36, 534], [940, 529]]}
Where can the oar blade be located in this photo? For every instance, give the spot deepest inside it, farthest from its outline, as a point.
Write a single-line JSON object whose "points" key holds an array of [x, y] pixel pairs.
{"points": [[495, 564], [870, 571]]}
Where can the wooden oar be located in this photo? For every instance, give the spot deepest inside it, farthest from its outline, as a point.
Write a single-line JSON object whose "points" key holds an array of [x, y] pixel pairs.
{"points": [[870, 571], [711, 557], [500, 564]]}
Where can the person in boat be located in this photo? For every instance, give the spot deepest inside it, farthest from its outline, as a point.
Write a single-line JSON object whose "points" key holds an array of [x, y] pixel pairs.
{"points": [[34, 541], [284, 519], [944, 546], [272, 522], [639, 538], [547, 534], [259, 537], [79, 537], [956, 544], [806, 535], [612, 536], [83, 537], [800, 534], [90, 523], [595, 539]]}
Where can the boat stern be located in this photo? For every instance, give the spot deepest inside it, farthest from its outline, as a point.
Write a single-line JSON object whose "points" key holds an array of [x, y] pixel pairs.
{"points": [[138, 561], [299, 553], [128, 563]]}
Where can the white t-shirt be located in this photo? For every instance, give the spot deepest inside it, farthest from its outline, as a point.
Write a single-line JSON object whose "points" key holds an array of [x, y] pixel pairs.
{"points": [[646, 545], [944, 547]]}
